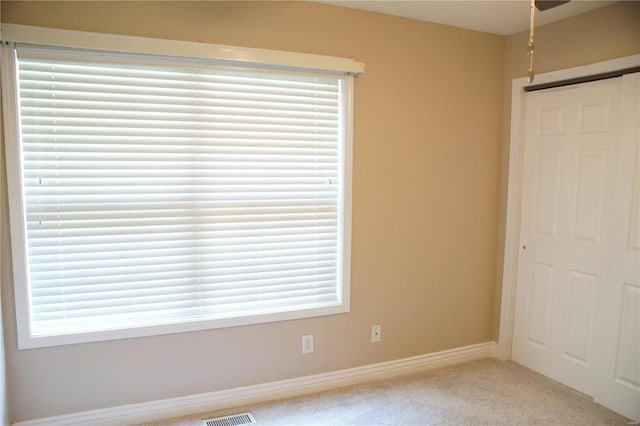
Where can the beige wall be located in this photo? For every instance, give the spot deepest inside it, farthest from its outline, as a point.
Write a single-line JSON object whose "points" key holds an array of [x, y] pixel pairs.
{"points": [[598, 35], [430, 162], [427, 140], [606, 33]]}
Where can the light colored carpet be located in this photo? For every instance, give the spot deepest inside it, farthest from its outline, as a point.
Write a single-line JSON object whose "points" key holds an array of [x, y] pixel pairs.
{"points": [[484, 392]]}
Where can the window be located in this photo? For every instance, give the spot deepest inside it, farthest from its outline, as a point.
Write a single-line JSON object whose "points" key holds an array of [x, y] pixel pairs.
{"points": [[153, 194]]}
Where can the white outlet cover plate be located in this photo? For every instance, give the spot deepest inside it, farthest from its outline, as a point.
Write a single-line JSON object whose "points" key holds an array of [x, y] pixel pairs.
{"points": [[376, 333], [307, 344]]}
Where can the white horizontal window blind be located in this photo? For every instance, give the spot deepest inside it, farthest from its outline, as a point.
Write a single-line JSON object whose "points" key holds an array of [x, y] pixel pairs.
{"points": [[158, 192]]}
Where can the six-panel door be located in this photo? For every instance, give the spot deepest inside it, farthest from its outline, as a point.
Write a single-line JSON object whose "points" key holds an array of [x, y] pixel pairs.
{"points": [[577, 300]]}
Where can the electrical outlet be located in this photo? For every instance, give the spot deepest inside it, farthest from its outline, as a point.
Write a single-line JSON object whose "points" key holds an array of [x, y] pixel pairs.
{"points": [[307, 344], [376, 333]]}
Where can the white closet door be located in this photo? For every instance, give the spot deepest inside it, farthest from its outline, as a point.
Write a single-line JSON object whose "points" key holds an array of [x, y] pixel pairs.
{"points": [[578, 295], [618, 332], [570, 139]]}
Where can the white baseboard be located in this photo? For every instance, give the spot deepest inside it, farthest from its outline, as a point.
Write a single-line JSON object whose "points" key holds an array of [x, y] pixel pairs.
{"points": [[175, 407], [497, 351]]}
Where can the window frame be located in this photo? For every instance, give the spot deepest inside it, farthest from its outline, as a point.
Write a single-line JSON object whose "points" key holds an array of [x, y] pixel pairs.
{"points": [[18, 222]]}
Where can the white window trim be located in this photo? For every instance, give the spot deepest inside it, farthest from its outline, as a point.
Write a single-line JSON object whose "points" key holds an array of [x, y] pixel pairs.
{"points": [[151, 46], [272, 59]]}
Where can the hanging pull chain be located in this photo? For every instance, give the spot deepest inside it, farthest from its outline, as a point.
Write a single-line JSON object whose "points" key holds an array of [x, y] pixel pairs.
{"points": [[530, 74]]}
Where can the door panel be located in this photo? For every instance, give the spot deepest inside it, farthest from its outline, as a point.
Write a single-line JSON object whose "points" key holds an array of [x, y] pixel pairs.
{"points": [[634, 229], [618, 327], [580, 313], [627, 369], [594, 117], [539, 318], [564, 261], [547, 190], [592, 172], [550, 121]]}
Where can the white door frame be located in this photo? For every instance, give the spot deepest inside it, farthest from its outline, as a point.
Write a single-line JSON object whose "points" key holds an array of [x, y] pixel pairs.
{"points": [[514, 185]]}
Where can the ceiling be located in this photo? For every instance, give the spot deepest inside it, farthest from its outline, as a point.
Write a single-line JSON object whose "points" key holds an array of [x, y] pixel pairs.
{"points": [[504, 17]]}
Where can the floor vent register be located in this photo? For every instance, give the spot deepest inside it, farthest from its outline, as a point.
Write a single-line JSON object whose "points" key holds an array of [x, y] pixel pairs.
{"points": [[234, 420]]}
